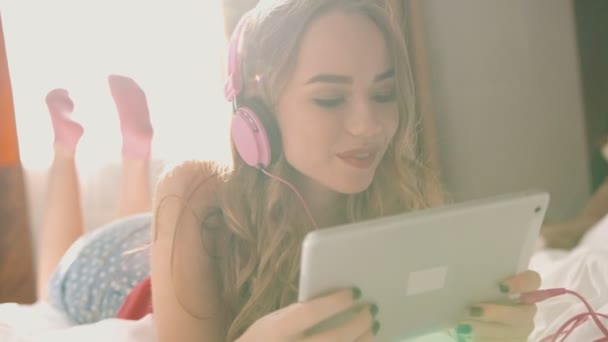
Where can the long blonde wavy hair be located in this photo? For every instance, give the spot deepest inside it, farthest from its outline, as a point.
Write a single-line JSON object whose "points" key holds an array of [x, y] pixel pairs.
{"points": [[257, 249]]}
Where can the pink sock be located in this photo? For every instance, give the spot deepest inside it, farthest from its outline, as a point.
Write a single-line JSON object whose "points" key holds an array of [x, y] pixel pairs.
{"points": [[135, 125], [67, 131]]}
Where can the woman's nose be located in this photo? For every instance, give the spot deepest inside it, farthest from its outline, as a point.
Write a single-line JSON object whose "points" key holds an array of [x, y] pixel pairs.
{"points": [[363, 121]]}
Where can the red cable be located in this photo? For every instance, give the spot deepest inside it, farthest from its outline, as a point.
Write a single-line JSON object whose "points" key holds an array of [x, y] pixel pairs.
{"points": [[541, 295], [577, 320]]}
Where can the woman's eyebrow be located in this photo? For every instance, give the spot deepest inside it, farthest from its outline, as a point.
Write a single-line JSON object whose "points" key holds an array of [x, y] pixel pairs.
{"points": [[343, 79], [385, 75], [330, 78]]}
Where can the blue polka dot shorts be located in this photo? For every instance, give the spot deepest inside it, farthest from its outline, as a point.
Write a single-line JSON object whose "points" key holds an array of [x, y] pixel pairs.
{"points": [[99, 270]]}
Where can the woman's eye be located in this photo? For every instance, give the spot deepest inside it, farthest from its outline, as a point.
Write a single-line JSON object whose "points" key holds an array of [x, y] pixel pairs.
{"points": [[330, 102], [383, 98]]}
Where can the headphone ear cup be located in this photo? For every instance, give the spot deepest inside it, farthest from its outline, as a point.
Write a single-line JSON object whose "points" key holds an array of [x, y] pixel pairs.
{"points": [[255, 134], [250, 138], [273, 133]]}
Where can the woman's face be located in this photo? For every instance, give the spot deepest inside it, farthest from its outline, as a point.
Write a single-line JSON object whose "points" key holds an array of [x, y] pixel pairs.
{"points": [[338, 112]]}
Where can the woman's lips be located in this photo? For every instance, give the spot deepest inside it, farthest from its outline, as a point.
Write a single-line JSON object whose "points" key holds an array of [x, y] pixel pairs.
{"points": [[361, 158]]}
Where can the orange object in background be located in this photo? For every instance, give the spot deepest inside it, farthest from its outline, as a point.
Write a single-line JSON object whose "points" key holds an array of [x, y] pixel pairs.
{"points": [[9, 150], [17, 276]]}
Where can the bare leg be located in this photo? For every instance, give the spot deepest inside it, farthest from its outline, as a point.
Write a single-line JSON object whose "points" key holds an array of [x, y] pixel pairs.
{"points": [[62, 222], [134, 197], [137, 134]]}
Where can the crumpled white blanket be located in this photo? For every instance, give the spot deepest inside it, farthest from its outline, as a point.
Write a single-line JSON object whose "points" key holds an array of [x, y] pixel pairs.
{"points": [[41, 322], [584, 269]]}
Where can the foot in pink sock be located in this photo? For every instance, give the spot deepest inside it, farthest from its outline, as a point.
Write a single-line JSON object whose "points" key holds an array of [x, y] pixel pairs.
{"points": [[67, 131], [134, 115]]}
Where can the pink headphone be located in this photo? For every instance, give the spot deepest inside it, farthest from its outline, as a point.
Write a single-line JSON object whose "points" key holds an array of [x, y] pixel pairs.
{"points": [[250, 132], [247, 129]]}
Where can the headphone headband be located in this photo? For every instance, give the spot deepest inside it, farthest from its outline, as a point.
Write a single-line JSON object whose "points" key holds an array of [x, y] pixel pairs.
{"points": [[234, 82]]}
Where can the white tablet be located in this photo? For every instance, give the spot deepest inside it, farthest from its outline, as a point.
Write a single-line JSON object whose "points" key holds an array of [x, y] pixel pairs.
{"points": [[425, 269]]}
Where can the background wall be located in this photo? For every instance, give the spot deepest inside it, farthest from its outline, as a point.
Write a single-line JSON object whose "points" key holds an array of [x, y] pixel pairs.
{"points": [[507, 97], [505, 85], [592, 38]]}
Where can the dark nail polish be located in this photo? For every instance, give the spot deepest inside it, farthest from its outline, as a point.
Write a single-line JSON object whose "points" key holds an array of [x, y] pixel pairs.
{"points": [[504, 288], [374, 310], [356, 293], [464, 329], [376, 328], [476, 311]]}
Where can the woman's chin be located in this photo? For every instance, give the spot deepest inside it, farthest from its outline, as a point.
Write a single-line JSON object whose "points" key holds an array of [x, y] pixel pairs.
{"points": [[352, 187]]}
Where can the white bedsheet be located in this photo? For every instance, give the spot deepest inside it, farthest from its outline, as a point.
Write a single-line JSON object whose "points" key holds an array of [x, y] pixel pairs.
{"points": [[584, 270], [42, 323]]}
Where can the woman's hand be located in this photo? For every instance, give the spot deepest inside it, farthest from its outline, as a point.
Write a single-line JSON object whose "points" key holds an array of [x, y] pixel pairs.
{"points": [[500, 322], [294, 323]]}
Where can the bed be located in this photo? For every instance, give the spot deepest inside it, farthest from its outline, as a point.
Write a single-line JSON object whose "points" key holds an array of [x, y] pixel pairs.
{"points": [[584, 269]]}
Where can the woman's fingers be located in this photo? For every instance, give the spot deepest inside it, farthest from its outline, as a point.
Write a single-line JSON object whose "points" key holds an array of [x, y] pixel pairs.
{"points": [[308, 314], [504, 322], [351, 330], [484, 331], [510, 315], [522, 282]]}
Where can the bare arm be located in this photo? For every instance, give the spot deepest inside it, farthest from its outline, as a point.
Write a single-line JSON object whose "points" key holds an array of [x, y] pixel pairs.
{"points": [[566, 235], [597, 206], [184, 292]]}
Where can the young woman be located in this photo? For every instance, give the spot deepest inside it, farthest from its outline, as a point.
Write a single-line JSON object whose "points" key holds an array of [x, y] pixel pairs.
{"points": [[330, 83]]}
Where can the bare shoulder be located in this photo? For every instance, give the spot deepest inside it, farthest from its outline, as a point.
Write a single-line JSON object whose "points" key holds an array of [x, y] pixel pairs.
{"points": [[185, 288], [195, 182]]}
